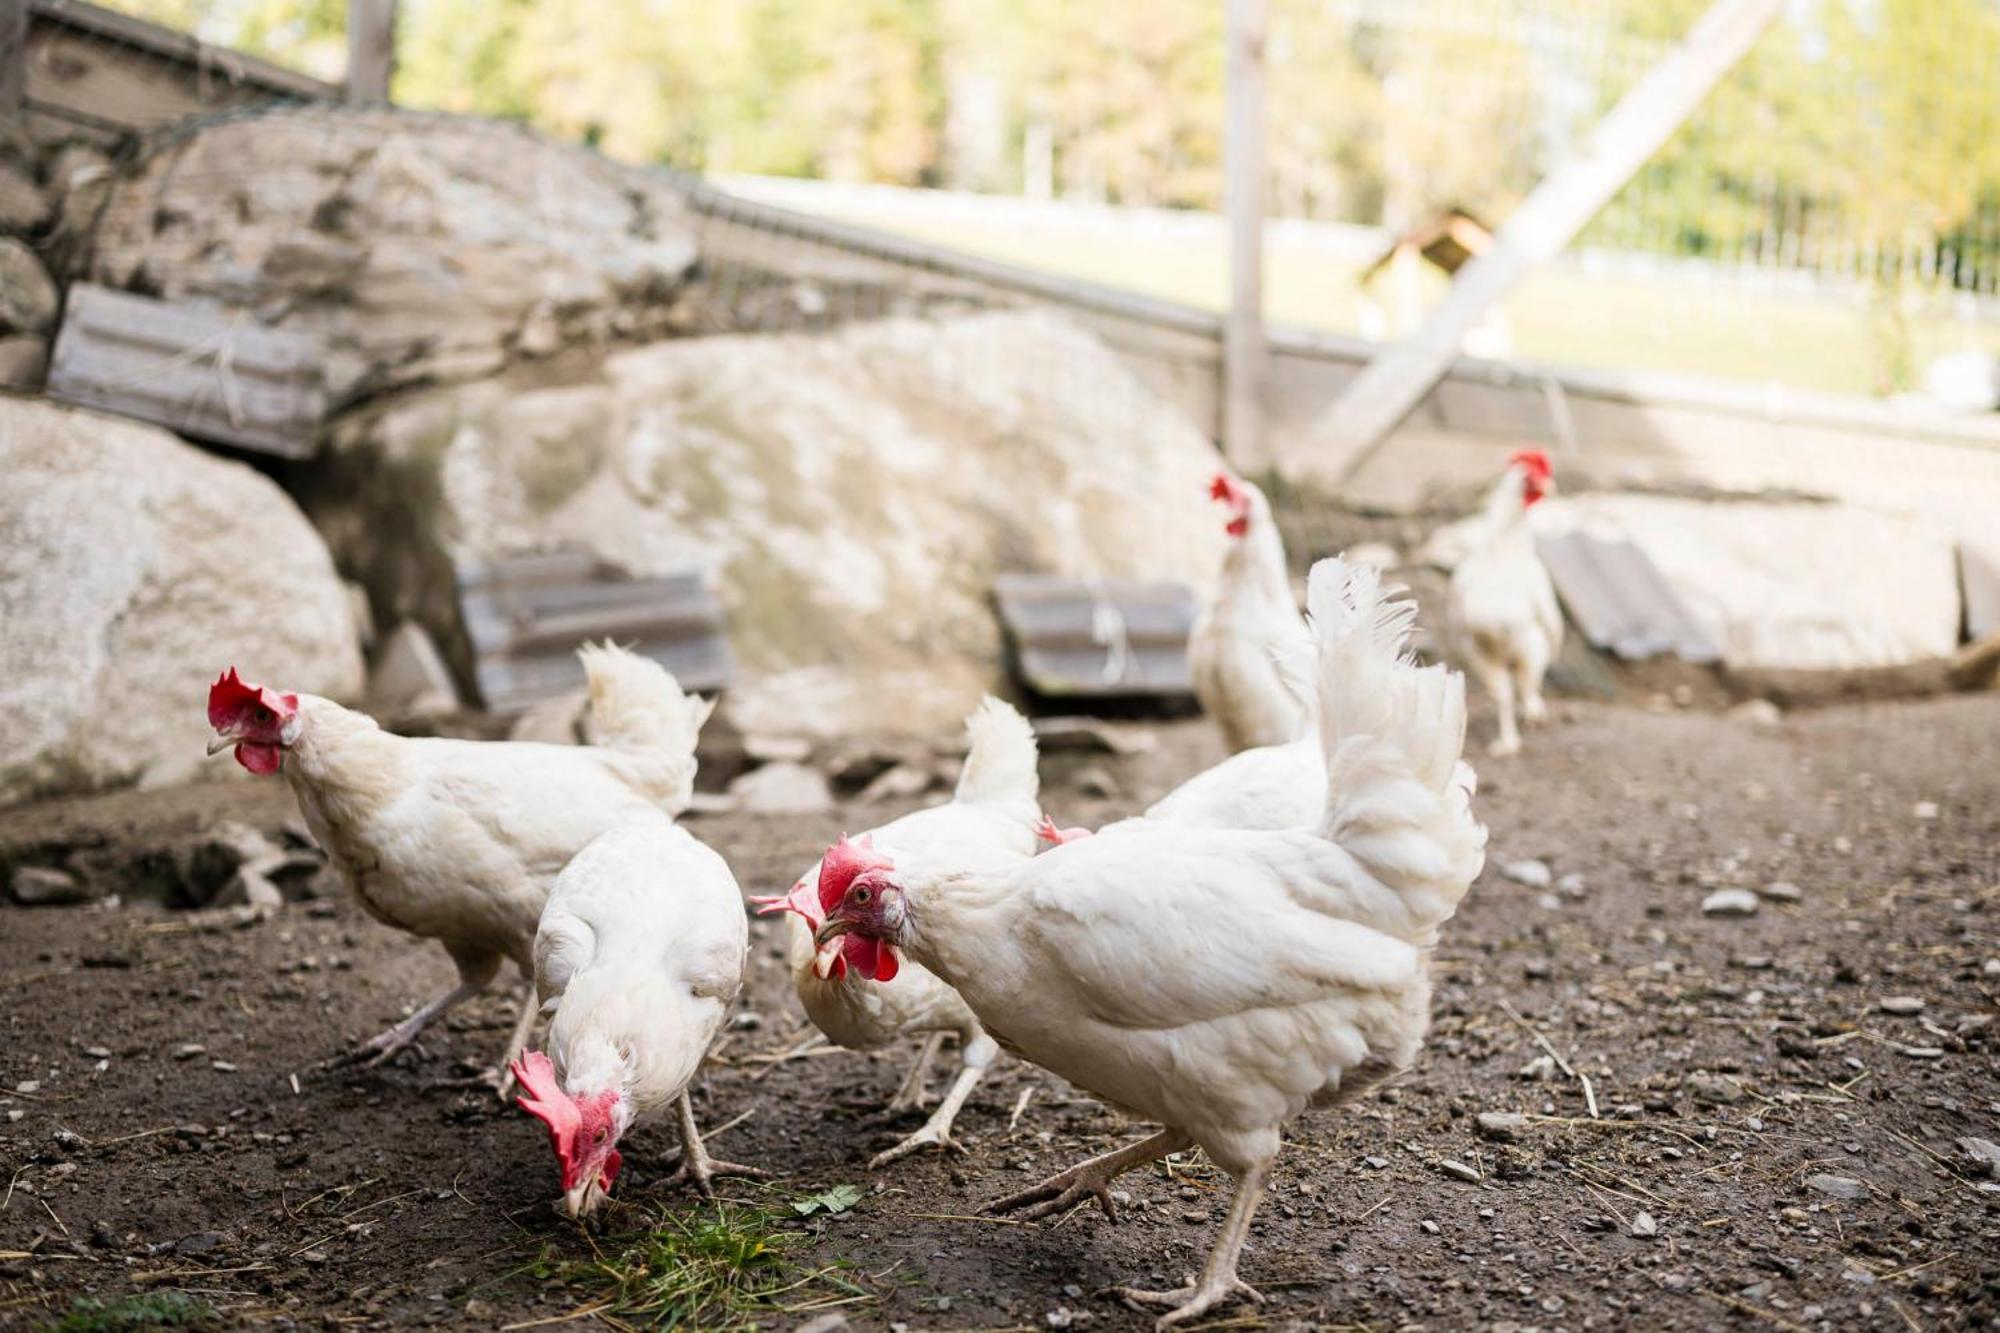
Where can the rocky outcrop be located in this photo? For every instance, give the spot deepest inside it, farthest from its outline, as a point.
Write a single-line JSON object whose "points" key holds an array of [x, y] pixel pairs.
{"points": [[133, 567], [421, 248], [854, 494]]}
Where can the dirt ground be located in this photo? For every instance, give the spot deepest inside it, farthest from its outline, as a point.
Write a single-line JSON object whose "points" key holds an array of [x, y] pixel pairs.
{"points": [[1743, 1067]]}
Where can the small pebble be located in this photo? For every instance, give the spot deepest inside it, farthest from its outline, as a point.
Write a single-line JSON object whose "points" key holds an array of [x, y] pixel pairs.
{"points": [[1902, 1004], [1730, 902], [1925, 810], [1837, 1187], [1375, 1163], [1533, 874], [189, 1050], [1783, 891], [1644, 1225], [1923, 1052], [1501, 1125], [1459, 1171], [97, 1052], [222, 1066], [1430, 1227]]}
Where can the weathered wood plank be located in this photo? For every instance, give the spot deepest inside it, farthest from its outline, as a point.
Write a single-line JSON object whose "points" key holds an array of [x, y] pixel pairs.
{"points": [[371, 49], [194, 371], [1396, 381], [1243, 348]]}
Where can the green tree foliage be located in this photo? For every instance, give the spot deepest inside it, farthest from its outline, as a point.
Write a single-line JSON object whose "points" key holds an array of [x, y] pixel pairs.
{"points": [[1870, 128]]}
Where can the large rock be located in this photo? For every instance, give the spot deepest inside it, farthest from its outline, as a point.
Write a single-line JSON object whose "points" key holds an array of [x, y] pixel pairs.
{"points": [[854, 494], [1789, 586], [422, 248], [27, 296], [133, 567]]}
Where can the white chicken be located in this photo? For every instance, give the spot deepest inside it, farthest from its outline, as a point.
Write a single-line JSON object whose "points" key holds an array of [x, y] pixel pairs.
{"points": [[641, 949], [1505, 622], [1219, 982], [989, 824], [1251, 617], [458, 841]]}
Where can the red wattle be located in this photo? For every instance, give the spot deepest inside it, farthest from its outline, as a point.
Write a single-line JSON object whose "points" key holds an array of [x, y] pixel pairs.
{"points": [[263, 760]]}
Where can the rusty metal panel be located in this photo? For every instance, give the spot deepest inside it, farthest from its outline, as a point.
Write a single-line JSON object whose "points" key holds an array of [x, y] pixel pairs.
{"points": [[191, 369], [1097, 637], [1620, 600], [525, 617]]}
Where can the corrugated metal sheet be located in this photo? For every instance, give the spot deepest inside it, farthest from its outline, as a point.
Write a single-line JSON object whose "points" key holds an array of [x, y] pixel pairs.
{"points": [[1620, 600], [526, 617], [1097, 637], [190, 369]]}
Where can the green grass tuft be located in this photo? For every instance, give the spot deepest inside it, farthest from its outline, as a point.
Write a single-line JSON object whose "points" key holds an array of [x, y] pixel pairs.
{"points": [[717, 1268], [159, 1309]]}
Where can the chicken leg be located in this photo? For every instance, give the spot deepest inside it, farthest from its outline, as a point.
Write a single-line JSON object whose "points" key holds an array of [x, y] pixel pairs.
{"points": [[1218, 1278], [696, 1164], [1499, 683], [524, 1028], [1092, 1177], [910, 1097], [388, 1042], [974, 1057]]}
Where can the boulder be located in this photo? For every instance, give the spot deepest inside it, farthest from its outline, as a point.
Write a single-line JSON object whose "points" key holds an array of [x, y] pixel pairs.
{"points": [[27, 295], [24, 363], [23, 207], [852, 494], [133, 567], [1775, 586], [420, 248]]}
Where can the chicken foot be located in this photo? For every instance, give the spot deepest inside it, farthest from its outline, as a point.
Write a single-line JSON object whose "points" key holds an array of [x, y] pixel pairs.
{"points": [[1090, 1178], [910, 1097], [936, 1131], [696, 1164], [1218, 1277], [390, 1041]]}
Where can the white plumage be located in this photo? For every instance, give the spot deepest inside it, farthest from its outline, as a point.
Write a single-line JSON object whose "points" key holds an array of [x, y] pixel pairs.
{"points": [[1505, 622], [639, 954], [1220, 982], [459, 841], [1249, 621], [988, 824]]}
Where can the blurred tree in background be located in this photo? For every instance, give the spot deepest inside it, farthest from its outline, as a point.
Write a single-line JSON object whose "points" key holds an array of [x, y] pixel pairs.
{"points": [[1861, 135]]}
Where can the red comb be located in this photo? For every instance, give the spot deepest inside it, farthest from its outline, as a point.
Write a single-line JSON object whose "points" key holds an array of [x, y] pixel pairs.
{"points": [[1535, 461], [231, 694], [803, 899], [842, 862], [544, 1099]]}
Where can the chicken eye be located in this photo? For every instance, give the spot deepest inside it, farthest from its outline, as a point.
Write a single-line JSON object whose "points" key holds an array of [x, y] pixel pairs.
{"points": [[262, 714], [862, 895]]}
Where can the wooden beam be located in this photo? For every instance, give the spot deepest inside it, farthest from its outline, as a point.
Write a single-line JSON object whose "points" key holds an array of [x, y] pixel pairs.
{"points": [[371, 49], [1243, 351], [13, 55], [1397, 380]]}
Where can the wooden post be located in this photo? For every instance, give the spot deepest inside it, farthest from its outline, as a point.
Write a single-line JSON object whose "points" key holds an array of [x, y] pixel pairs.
{"points": [[1243, 348], [371, 49], [13, 56], [1378, 399]]}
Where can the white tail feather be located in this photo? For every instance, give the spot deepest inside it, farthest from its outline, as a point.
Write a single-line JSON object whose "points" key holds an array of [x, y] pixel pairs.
{"points": [[1000, 760], [639, 710], [1398, 795]]}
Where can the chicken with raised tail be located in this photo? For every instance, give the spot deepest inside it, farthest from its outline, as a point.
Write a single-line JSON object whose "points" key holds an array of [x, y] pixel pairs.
{"points": [[1504, 618], [1250, 618], [641, 949], [458, 841], [1217, 982], [989, 824]]}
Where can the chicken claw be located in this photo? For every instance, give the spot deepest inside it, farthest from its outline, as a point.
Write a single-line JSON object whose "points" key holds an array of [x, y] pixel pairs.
{"points": [[1191, 1301], [696, 1165], [930, 1136], [1089, 1178]]}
